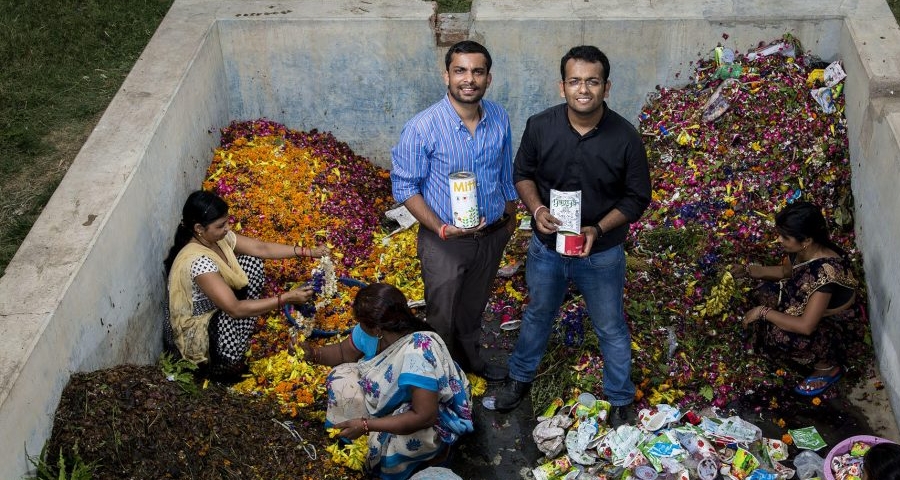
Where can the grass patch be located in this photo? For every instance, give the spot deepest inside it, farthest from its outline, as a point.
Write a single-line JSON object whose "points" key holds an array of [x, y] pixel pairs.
{"points": [[453, 6], [895, 8], [63, 61]]}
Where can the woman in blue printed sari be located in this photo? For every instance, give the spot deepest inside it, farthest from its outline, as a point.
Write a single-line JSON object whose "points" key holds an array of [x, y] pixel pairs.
{"points": [[394, 380]]}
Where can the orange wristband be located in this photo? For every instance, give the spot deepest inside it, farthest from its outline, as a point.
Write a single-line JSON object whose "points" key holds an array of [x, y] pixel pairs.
{"points": [[443, 232]]}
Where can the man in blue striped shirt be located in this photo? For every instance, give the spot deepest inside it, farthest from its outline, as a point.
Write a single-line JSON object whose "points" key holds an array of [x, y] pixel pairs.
{"points": [[460, 133]]}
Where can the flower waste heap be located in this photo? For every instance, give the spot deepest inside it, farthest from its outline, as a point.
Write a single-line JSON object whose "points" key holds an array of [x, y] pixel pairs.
{"points": [[749, 134]]}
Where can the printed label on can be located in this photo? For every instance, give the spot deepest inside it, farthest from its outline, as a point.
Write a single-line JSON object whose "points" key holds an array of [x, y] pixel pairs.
{"points": [[463, 199], [566, 206]]}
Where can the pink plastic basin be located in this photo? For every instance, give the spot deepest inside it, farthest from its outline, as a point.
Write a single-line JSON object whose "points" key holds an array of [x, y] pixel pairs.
{"points": [[844, 446]]}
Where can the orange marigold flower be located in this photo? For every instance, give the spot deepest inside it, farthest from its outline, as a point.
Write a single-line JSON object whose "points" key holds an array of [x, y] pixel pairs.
{"points": [[817, 401], [787, 439]]}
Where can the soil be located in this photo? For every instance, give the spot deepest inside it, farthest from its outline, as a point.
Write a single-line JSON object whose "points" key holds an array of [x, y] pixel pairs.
{"points": [[135, 424]]}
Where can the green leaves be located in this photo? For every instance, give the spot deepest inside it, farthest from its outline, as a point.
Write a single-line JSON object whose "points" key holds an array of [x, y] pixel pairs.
{"points": [[73, 468], [180, 371]]}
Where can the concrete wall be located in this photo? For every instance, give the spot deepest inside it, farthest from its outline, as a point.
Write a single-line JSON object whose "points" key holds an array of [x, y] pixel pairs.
{"points": [[873, 118], [84, 290]]}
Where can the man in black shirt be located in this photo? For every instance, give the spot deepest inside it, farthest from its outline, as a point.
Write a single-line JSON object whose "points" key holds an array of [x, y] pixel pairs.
{"points": [[580, 146]]}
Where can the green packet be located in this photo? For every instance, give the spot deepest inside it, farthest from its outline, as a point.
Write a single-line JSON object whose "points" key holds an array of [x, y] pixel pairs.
{"points": [[807, 438]]}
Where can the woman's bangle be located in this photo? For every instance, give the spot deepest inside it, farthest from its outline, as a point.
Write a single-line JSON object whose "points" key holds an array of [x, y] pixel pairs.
{"points": [[365, 424], [280, 304], [538, 209], [443, 232], [763, 313]]}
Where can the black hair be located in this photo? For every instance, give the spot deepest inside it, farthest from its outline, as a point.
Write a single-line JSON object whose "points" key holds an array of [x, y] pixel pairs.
{"points": [[589, 54], [200, 207], [802, 220], [882, 462], [467, 46], [384, 306]]}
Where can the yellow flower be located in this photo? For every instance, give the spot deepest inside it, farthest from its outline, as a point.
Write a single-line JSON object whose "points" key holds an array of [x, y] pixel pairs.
{"points": [[478, 384], [352, 455]]}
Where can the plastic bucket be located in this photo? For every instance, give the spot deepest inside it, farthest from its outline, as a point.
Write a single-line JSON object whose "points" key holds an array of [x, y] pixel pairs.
{"points": [[844, 446]]}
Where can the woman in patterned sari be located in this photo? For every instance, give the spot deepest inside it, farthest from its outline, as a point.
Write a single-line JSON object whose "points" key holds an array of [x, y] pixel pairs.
{"points": [[811, 317], [394, 381]]}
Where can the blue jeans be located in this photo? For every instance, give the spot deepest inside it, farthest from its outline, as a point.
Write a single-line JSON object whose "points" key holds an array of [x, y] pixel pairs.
{"points": [[601, 280]]}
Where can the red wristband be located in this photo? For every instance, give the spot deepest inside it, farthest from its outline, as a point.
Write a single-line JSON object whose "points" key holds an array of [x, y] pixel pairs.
{"points": [[443, 232]]}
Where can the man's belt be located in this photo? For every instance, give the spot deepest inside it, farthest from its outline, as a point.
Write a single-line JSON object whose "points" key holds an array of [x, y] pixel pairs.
{"points": [[488, 229]]}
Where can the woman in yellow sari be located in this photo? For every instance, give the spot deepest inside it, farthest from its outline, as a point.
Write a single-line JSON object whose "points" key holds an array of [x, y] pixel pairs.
{"points": [[215, 278]]}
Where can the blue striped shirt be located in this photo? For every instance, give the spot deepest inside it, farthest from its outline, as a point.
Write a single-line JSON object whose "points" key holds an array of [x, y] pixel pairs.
{"points": [[436, 143]]}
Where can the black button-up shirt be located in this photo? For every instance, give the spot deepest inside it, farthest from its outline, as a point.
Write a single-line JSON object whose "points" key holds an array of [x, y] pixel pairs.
{"points": [[608, 165]]}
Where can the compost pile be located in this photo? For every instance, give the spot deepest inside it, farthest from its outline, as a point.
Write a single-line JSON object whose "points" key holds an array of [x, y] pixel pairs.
{"points": [[131, 422]]}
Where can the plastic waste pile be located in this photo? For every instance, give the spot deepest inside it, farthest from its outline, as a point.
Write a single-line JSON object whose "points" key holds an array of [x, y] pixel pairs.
{"points": [[666, 443]]}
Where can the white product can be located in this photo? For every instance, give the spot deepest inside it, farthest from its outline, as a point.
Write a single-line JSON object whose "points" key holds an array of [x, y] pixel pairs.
{"points": [[463, 199]]}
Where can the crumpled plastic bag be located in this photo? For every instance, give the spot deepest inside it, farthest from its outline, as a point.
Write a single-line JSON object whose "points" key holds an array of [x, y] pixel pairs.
{"points": [[550, 434], [809, 464], [825, 98], [718, 102]]}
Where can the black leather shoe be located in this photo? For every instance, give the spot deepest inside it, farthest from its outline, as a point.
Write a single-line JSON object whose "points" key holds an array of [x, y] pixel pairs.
{"points": [[493, 372], [621, 415], [511, 395]]}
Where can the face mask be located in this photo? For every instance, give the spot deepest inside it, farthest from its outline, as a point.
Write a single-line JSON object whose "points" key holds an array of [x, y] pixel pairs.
{"points": [[365, 343]]}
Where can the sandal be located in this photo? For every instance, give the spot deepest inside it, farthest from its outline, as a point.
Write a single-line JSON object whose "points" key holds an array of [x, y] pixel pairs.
{"points": [[828, 380]]}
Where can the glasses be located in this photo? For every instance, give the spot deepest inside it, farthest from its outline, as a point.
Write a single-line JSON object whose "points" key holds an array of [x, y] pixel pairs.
{"points": [[590, 82]]}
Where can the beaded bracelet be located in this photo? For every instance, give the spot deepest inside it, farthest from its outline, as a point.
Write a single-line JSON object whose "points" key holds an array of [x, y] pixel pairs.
{"points": [[365, 424], [763, 313]]}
